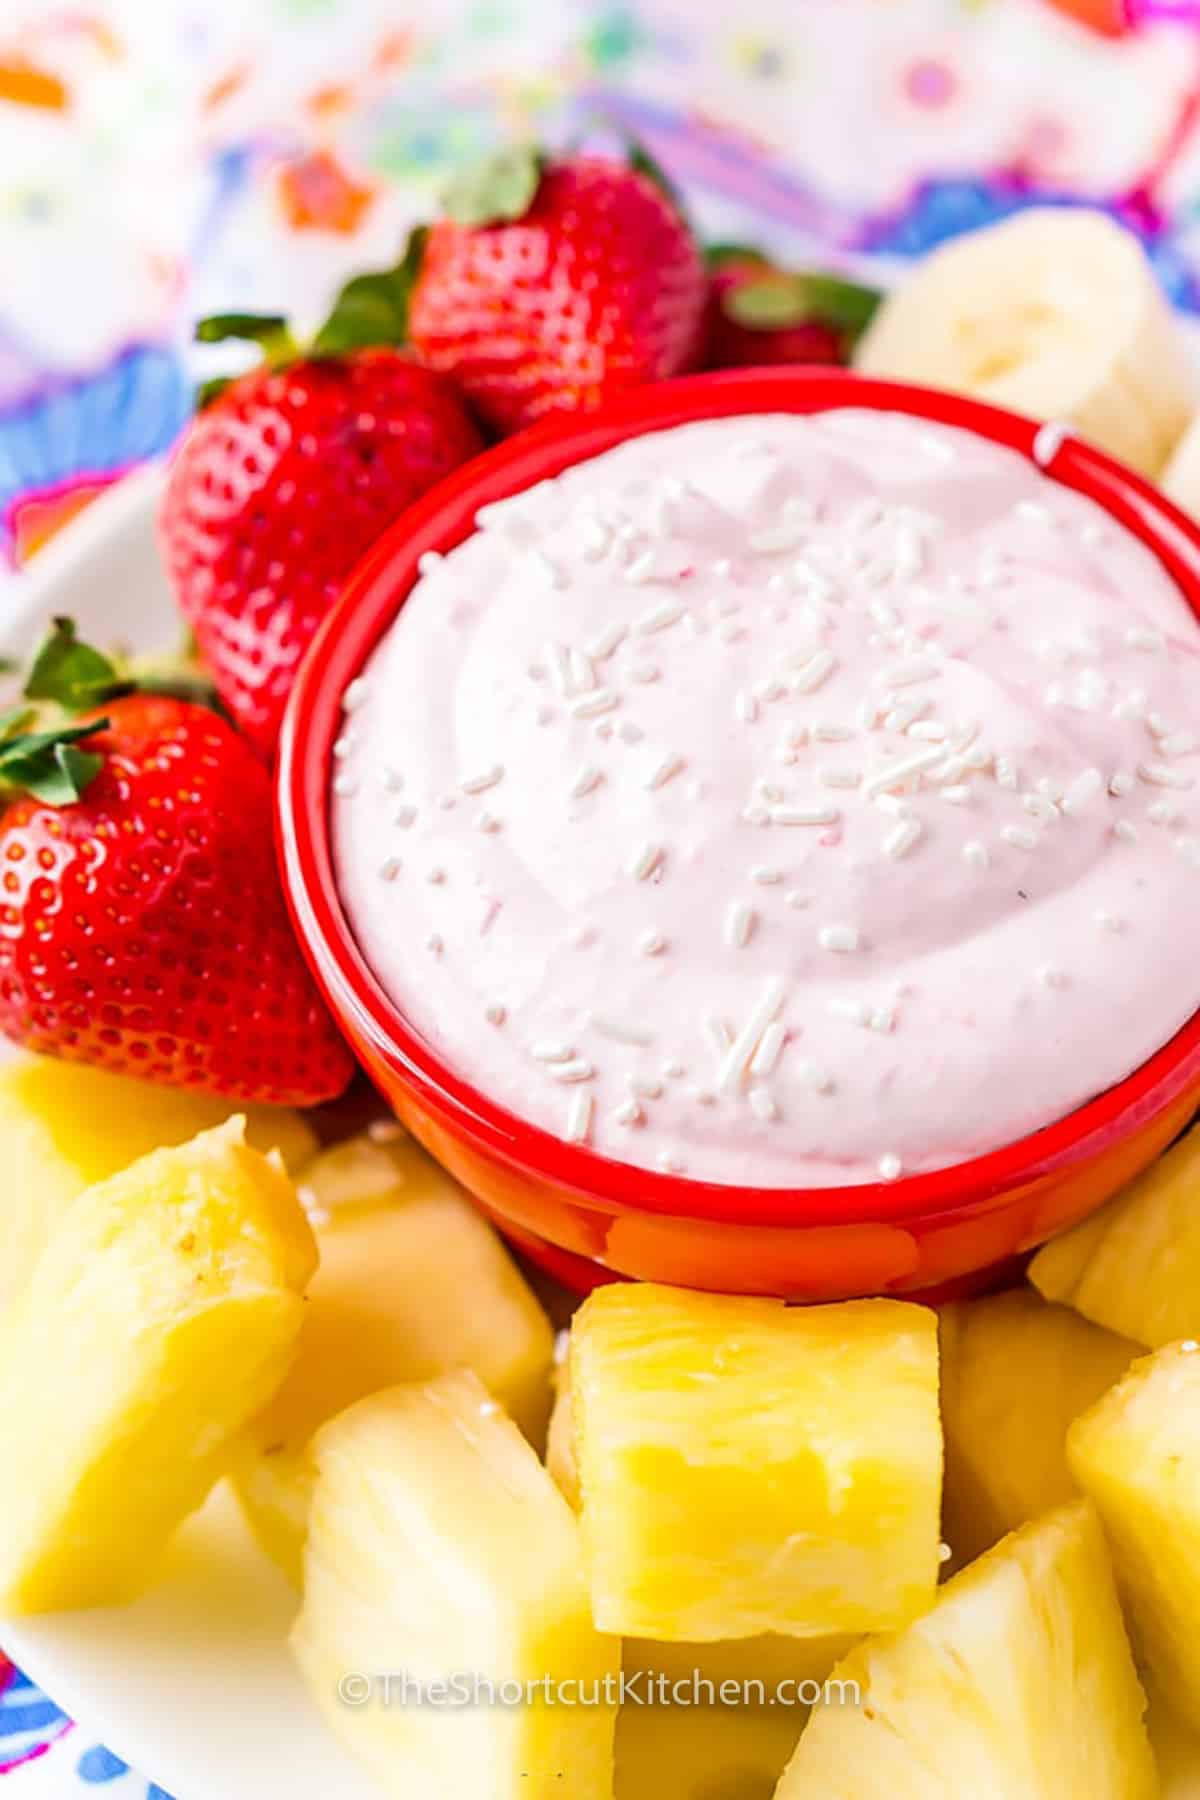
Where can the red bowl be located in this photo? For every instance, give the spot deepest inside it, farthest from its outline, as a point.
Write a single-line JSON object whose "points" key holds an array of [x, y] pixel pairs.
{"points": [[583, 1215]]}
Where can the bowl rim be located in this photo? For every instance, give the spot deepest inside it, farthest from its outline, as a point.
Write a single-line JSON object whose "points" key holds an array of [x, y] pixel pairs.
{"points": [[369, 602]]}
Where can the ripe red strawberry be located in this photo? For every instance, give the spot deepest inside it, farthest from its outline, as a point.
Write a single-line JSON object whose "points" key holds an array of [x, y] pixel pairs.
{"points": [[280, 486], [551, 286], [142, 925], [760, 315]]}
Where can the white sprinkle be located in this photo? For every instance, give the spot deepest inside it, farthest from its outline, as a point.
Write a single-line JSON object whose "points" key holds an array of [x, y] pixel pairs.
{"points": [[1082, 791], [647, 1087], [797, 900], [837, 778], [1006, 772], [1020, 837], [905, 674], [606, 641], [648, 858], [813, 673], [669, 613], [404, 816], [579, 1118], [828, 733], [547, 570], [1049, 441], [356, 692], [1189, 1346], [435, 943], [559, 665], [552, 1052], [1131, 708], [1163, 813], [844, 1007], [580, 936], [904, 713], [739, 924], [894, 806], [804, 815], [392, 781], [764, 875], [645, 674], [1140, 637], [1109, 922], [629, 1113], [619, 1033], [729, 631], [1162, 775], [669, 1164], [882, 1020], [629, 733], [652, 943], [1034, 511], [570, 1072], [664, 769], [1189, 848], [587, 779], [890, 1167], [487, 778], [583, 676], [430, 562], [768, 792], [495, 1014], [770, 1046], [901, 840], [1126, 830], [761, 1104], [893, 774], [1179, 743], [756, 815], [674, 1071], [742, 1049], [345, 785], [1039, 807], [814, 1076], [776, 540], [390, 868], [343, 747], [927, 731], [590, 706], [838, 937], [1050, 977], [976, 854], [719, 1032], [958, 795]]}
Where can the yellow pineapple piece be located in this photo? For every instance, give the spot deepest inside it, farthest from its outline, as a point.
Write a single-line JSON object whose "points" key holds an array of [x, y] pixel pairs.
{"points": [[1137, 1453], [439, 1547], [1015, 1373], [748, 1467], [560, 1439], [1018, 1685], [64, 1126], [1176, 1751], [160, 1318], [413, 1281], [703, 1753], [1134, 1266]]}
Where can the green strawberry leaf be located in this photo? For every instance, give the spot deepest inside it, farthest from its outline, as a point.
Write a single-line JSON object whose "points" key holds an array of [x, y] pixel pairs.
{"points": [[640, 159], [71, 672], [717, 255], [254, 328], [781, 300], [208, 391], [499, 188], [373, 309], [47, 765]]}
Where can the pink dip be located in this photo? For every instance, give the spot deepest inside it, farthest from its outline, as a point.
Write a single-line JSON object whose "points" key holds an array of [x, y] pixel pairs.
{"points": [[784, 801]]}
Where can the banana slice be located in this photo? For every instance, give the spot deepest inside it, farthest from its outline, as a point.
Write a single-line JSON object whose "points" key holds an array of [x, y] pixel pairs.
{"points": [[1181, 477], [1055, 312]]}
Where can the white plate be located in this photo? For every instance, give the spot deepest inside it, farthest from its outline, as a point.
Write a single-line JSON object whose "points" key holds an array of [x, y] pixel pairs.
{"points": [[193, 1684]]}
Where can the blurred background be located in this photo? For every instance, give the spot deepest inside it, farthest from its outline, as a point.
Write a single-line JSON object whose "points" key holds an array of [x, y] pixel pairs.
{"points": [[162, 159]]}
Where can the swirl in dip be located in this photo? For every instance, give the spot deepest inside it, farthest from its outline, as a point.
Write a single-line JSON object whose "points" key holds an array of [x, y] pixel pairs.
{"points": [[784, 801]]}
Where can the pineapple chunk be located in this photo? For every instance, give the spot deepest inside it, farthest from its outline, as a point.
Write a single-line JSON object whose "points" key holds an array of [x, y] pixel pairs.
{"points": [[1018, 1685], [703, 1753], [161, 1317], [1134, 1266], [438, 1546], [1015, 1373], [1176, 1751], [1137, 1453], [65, 1126], [748, 1467], [413, 1281], [560, 1439]]}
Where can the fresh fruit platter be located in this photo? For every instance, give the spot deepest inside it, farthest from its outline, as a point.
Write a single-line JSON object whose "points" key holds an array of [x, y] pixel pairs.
{"points": [[602, 1199]]}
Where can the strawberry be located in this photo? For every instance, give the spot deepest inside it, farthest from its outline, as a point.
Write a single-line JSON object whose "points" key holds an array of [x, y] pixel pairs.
{"points": [[759, 314], [287, 477], [552, 285], [142, 924]]}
